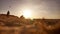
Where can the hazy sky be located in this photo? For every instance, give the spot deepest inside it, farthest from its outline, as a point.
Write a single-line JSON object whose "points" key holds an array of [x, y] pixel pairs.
{"points": [[40, 8]]}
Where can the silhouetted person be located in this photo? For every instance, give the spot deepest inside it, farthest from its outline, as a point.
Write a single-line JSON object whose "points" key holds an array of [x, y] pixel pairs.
{"points": [[8, 13]]}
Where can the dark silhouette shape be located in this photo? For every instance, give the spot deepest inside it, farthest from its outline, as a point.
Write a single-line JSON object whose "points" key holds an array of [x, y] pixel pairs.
{"points": [[8, 13], [22, 17]]}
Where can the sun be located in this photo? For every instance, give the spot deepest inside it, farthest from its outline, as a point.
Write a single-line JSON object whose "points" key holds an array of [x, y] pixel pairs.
{"points": [[27, 13]]}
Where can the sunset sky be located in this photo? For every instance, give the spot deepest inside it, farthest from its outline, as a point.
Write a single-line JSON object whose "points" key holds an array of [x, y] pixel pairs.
{"points": [[38, 8]]}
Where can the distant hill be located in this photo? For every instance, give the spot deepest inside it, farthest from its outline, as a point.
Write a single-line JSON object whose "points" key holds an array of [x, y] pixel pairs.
{"points": [[8, 19], [4, 17], [13, 20]]}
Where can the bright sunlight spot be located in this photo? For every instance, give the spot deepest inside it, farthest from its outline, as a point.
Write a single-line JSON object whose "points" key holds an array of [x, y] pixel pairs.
{"points": [[27, 13]]}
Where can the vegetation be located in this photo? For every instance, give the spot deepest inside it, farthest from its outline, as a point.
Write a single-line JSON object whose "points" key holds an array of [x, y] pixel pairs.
{"points": [[15, 25]]}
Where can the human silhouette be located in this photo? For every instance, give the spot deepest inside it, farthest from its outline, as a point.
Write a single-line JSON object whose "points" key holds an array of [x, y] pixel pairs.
{"points": [[8, 13]]}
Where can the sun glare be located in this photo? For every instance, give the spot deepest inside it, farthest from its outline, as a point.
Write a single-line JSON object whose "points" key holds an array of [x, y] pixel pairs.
{"points": [[27, 13]]}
